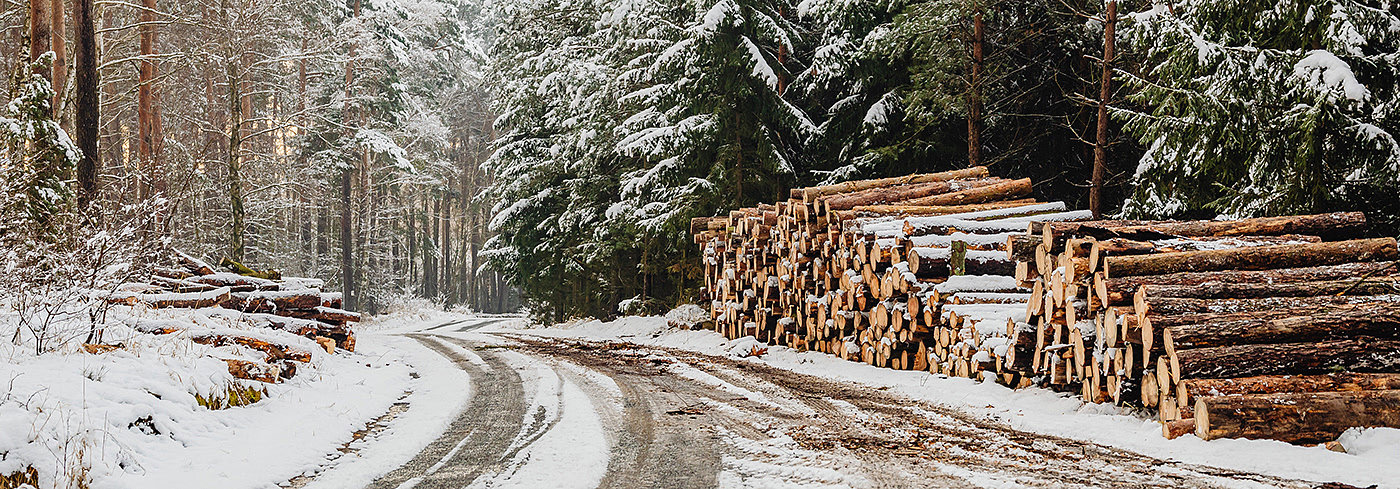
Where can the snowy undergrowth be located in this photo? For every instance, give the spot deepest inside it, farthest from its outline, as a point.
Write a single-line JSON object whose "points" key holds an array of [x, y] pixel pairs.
{"points": [[1373, 458], [135, 417]]}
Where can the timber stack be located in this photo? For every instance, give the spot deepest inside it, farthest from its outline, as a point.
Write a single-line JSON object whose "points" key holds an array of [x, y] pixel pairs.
{"points": [[908, 273], [1246, 328], [1282, 328], [262, 298]]}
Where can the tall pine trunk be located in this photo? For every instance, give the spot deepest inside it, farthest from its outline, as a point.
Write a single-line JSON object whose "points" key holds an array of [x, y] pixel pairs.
{"points": [[58, 24], [974, 95], [148, 136], [1105, 91], [86, 117], [347, 259], [40, 33]]}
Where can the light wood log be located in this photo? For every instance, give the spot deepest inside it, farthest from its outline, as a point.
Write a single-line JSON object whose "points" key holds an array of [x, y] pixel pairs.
{"points": [[812, 193]]}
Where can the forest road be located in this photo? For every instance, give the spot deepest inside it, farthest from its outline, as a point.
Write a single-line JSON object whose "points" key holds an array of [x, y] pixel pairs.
{"points": [[682, 420]]}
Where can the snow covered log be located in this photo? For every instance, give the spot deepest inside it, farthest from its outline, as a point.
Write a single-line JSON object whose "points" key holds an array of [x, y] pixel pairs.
{"points": [[1120, 290], [810, 194], [1364, 355], [272, 302], [188, 300], [261, 372], [1316, 417], [1340, 225], [1254, 258], [274, 352], [1007, 190]]}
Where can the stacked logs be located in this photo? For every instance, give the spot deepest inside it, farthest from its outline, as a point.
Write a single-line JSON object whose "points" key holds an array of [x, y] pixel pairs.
{"points": [[908, 273], [292, 304], [1279, 328]]}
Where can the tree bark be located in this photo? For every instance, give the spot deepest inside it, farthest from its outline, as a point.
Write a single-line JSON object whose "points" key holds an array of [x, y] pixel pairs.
{"points": [[1355, 355], [1295, 418], [810, 194], [924, 210], [1120, 290], [148, 118], [974, 95], [87, 115], [1217, 290], [1369, 320], [1338, 225], [1171, 306], [1187, 391], [1002, 191], [347, 242], [40, 33], [901, 193], [1101, 134], [60, 49], [1255, 258]]}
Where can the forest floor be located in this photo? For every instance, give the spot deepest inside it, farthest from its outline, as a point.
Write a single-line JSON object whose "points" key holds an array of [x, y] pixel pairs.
{"points": [[634, 404]]}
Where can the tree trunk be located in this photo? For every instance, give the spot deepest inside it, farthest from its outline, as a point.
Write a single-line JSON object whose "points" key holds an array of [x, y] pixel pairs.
{"points": [[447, 289], [1255, 258], [1295, 418], [1369, 320], [1187, 391], [1105, 91], [1354, 355], [1171, 306], [147, 118], [86, 117], [1217, 290], [347, 241], [235, 164], [60, 49], [1120, 290], [1006, 190], [1337, 225], [811, 194], [974, 95], [40, 33], [901, 193]]}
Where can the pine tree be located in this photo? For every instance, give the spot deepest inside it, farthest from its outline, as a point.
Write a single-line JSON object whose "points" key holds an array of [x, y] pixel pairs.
{"points": [[1263, 107]]}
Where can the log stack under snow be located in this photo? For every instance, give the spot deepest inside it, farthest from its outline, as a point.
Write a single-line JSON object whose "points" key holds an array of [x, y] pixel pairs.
{"points": [[1279, 328], [292, 304]]}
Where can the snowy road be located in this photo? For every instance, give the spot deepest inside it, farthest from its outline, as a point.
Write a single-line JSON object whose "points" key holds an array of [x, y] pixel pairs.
{"points": [[554, 413]]}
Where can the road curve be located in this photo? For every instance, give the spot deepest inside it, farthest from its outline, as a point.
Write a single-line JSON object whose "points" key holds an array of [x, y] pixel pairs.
{"points": [[682, 420]]}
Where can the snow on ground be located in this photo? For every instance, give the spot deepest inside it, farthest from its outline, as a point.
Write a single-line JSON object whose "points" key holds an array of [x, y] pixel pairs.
{"points": [[131, 418], [1373, 458]]}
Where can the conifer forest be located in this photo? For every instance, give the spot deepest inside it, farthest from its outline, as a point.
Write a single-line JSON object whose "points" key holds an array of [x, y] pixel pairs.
{"points": [[551, 154]]}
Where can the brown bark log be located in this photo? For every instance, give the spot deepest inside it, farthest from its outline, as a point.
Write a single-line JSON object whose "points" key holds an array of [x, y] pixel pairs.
{"points": [[1120, 290], [1008, 190], [1256, 258], [1295, 418], [274, 352], [810, 194], [272, 303], [1170, 306], [900, 193], [1216, 290], [1371, 320], [1355, 355], [1122, 247], [926, 210], [189, 300], [1188, 391], [1339, 225], [261, 372]]}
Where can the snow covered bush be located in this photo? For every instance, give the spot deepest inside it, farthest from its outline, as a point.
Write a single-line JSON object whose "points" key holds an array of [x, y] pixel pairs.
{"points": [[687, 316]]}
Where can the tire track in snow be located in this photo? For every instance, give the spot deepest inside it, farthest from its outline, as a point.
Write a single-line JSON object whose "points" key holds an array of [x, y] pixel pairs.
{"points": [[474, 441]]}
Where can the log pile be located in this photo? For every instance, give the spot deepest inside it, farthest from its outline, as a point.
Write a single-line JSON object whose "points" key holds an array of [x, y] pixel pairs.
{"points": [[1278, 328], [1283, 328], [264, 298], [909, 273]]}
